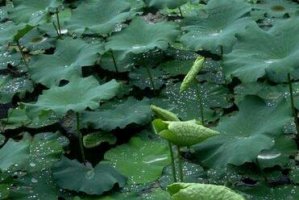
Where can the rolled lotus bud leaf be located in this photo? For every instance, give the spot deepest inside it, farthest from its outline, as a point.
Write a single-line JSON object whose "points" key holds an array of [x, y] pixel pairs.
{"points": [[164, 114], [191, 75], [185, 133], [197, 191]]}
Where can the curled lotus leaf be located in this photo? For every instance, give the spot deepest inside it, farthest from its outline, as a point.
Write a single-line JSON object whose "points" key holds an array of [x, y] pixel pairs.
{"points": [[164, 114], [191, 76], [197, 191], [181, 133]]}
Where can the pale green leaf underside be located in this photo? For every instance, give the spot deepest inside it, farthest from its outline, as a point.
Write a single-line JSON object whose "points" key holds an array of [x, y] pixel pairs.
{"points": [[197, 191]]}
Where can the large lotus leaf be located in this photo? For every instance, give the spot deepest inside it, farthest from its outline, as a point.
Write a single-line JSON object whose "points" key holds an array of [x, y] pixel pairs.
{"points": [[119, 115], [10, 86], [186, 105], [32, 11], [70, 55], [8, 31], [140, 37], [77, 95], [271, 52], [90, 180], [146, 156], [39, 185], [262, 192], [7, 57], [197, 191], [14, 153], [87, 16], [141, 77], [217, 29], [256, 124], [277, 8], [165, 3]]}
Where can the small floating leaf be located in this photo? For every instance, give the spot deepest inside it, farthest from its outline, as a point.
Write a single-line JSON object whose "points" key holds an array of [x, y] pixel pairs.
{"points": [[185, 133], [164, 114], [197, 191], [95, 139], [196, 67]]}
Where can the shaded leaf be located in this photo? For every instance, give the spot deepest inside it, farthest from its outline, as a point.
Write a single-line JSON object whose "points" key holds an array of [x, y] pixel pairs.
{"points": [[90, 180], [165, 3], [95, 139], [119, 115]]}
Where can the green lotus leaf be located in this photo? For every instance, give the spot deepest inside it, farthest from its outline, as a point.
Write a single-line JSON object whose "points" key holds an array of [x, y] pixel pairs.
{"points": [[34, 185], [95, 139], [90, 180], [140, 77], [22, 32], [32, 11], [217, 28], [176, 67], [165, 3], [273, 52], [77, 95], [197, 191], [191, 75], [119, 115], [9, 87], [86, 17], [13, 153], [277, 8], [185, 133], [8, 30], [147, 156], [141, 37], [256, 124], [68, 59], [164, 114], [123, 64], [2, 139], [7, 57]]}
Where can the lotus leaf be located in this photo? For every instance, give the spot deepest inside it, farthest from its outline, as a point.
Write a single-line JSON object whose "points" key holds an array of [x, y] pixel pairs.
{"points": [[77, 95], [273, 52], [9, 87], [148, 157], [95, 139], [69, 57], [13, 153], [217, 28], [197, 191], [88, 18], [256, 124], [140, 37], [277, 8], [165, 3], [8, 58], [90, 180], [32, 11], [185, 133], [119, 115], [8, 30]]}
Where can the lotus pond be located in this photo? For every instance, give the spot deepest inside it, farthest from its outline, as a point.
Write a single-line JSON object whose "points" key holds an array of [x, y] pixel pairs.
{"points": [[149, 99]]}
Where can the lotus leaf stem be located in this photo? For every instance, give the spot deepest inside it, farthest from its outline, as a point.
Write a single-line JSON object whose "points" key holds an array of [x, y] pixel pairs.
{"points": [[294, 112], [172, 162], [80, 137], [180, 164], [150, 76], [55, 27], [198, 93], [114, 62], [181, 13], [58, 21], [22, 54]]}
